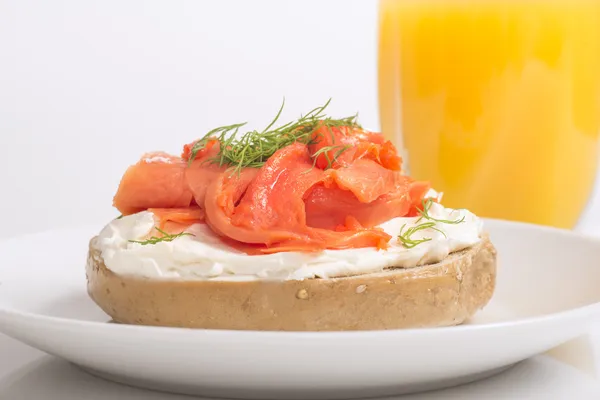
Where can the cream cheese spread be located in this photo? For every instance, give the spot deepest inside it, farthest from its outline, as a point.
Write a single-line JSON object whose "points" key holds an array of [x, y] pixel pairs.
{"points": [[203, 256]]}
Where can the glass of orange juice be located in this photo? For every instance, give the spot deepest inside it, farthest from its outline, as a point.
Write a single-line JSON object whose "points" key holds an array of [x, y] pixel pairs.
{"points": [[496, 102]]}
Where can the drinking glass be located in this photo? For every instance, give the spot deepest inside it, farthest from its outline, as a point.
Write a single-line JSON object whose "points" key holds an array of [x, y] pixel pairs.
{"points": [[496, 103]]}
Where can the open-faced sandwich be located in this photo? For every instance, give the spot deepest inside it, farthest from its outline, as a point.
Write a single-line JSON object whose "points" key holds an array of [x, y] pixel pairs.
{"points": [[309, 225]]}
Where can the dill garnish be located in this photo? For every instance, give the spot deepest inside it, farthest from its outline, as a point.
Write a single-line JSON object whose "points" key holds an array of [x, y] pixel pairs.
{"points": [[222, 130], [406, 237], [325, 151], [120, 216], [425, 214], [166, 237], [253, 148]]}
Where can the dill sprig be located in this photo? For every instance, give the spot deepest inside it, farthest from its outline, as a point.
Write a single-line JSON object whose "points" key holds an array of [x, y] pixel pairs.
{"points": [[166, 237], [424, 212], [222, 130], [339, 149], [253, 148], [405, 237]]}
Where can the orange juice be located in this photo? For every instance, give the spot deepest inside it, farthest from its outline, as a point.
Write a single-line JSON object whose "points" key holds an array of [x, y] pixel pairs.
{"points": [[497, 103]]}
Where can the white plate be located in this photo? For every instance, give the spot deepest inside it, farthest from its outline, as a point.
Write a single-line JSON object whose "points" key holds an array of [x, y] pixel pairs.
{"points": [[547, 293]]}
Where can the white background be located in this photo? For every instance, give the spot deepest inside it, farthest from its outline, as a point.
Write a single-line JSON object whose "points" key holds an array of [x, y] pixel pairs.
{"points": [[87, 86]]}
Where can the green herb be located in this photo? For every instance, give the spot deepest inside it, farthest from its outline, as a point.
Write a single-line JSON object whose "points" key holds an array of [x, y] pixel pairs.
{"points": [[252, 149], [325, 151], [120, 216], [166, 237], [425, 214], [406, 237], [222, 130]]}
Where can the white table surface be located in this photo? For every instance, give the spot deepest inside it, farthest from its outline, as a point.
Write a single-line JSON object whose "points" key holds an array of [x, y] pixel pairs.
{"points": [[85, 87]]}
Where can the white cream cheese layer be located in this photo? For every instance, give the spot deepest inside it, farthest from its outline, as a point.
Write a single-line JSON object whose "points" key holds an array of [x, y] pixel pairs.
{"points": [[203, 256]]}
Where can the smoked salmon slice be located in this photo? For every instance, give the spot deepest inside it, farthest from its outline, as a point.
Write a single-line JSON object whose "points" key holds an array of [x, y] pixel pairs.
{"points": [[201, 171], [328, 190], [184, 216], [337, 146], [272, 210], [328, 207], [157, 180]]}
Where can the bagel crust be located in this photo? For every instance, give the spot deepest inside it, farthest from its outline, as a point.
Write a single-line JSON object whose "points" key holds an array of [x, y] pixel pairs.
{"points": [[442, 294]]}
